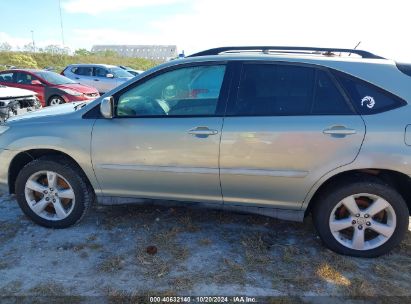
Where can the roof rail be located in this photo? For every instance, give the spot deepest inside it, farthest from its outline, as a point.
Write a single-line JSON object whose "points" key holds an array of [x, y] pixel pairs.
{"points": [[286, 49]]}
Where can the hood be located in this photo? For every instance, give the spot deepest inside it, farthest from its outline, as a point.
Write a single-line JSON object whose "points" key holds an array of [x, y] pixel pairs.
{"points": [[14, 92], [78, 87], [48, 111], [124, 79]]}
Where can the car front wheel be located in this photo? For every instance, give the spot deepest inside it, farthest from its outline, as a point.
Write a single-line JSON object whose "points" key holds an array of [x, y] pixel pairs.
{"points": [[53, 192], [55, 100], [365, 218]]}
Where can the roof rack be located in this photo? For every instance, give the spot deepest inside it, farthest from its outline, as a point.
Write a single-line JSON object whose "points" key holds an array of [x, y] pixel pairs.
{"points": [[286, 49]]}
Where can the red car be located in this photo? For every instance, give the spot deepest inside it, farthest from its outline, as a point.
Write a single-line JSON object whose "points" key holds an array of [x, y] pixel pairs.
{"points": [[51, 88]]}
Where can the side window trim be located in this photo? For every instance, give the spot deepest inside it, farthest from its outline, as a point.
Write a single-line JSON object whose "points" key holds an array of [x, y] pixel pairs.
{"points": [[341, 90], [221, 103], [339, 74], [237, 81]]}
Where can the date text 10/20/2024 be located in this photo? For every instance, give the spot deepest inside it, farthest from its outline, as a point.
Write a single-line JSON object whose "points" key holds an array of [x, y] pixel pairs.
{"points": [[205, 299]]}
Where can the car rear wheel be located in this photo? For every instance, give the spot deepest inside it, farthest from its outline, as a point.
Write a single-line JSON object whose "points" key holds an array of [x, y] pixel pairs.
{"points": [[53, 192], [365, 218], [55, 100]]}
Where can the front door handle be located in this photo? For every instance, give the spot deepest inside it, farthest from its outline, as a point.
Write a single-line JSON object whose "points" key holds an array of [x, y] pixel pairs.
{"points": [[96, 80], [339, 131], [202, 131]]}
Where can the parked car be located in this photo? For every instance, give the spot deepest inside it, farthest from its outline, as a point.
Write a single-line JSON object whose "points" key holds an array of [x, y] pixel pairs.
{"points": [[14, 101], [51, 88], [103, 77], [131, 70], [283, 132]]}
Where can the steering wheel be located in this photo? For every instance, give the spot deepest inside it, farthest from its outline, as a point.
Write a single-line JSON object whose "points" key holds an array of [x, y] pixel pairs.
{"points": [[146, 106]]}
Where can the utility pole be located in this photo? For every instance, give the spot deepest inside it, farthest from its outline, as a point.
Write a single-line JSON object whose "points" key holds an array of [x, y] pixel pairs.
{"points": [[32, 41], [61, 24]]}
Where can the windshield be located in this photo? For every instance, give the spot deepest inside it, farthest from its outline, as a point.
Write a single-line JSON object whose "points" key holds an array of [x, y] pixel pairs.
{"points": [[54, 78], [119, 72]]}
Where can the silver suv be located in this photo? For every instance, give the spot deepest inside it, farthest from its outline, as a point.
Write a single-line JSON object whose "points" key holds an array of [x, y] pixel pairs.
{"points": [[280, 131], [103, 77]]}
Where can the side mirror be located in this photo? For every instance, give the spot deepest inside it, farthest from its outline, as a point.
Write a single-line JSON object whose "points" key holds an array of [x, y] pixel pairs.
{"points": [[110, 76], [36, 82], [107, 107]]}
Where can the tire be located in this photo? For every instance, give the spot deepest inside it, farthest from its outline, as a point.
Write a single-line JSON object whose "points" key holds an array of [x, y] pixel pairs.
{"points": [[55, 100], [330, 210], [52, 210]]}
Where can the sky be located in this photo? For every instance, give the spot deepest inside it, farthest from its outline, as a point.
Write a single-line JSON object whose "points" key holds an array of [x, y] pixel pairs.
{"points": [[383, 27]]}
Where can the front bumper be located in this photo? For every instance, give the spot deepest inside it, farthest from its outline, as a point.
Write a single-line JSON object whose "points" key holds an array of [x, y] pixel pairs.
{"points": [[6, 156]]}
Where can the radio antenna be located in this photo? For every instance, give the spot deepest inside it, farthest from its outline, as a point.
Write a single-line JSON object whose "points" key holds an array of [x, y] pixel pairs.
{"points": [[355, 47]]}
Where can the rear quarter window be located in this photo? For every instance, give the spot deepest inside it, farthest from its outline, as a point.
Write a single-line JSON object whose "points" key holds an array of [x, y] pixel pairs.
{"points": [[368, 98]]}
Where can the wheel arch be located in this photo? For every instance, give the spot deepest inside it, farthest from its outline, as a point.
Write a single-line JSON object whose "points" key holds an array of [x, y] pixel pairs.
{"points": [[397, 180], [52, 96], [23, 158]]}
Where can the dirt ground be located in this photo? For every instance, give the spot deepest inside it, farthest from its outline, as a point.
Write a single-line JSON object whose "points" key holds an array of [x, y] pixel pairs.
{"points": [[199, 252]]}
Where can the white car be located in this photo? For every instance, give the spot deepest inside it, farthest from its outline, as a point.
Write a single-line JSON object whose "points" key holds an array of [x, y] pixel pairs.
{"points": [[14, 101]]}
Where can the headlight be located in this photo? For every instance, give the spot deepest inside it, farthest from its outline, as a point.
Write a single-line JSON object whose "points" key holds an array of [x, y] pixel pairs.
{"points": [[3, 129], [72, 92]]}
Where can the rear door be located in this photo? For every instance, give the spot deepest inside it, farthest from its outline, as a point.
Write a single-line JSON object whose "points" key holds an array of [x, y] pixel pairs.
{"points": [[286, 126]]}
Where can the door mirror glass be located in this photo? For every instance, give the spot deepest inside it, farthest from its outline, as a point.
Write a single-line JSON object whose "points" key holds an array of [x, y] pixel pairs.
{"points": [[110, 75], [36, 82], [106, 107]]}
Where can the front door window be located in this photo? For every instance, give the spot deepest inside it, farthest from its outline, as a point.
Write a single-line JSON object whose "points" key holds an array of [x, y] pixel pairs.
{"points": [[189, 91]]}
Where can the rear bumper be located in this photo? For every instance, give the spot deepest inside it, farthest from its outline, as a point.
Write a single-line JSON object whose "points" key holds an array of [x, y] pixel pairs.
{"points": [[6, 156]]}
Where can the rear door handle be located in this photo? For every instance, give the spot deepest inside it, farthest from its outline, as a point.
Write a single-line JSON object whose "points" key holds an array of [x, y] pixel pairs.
{"points": [[96, 80], [340, 131], [202, 131]]}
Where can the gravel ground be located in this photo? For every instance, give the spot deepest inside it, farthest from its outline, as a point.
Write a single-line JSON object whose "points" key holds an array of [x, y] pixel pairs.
{"points": [[199, 252]]}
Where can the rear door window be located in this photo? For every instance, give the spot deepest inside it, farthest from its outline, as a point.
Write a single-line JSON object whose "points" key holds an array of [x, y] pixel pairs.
{"points": [[287, 90], [368, 98]]}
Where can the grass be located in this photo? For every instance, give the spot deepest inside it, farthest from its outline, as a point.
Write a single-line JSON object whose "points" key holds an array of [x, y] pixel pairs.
{"points": [[331, 275], [195, 252], [59, 62], [112, 264], [8, 231], [205, 242]]}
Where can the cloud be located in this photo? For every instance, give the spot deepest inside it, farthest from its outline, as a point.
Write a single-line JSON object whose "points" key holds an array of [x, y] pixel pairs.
{"points": [[325, 23], [14, 41], [18, 42], [95, 7]]}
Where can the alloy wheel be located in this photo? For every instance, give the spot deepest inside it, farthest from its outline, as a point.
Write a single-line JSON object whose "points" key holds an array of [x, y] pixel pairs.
{"points": [[49, 195], [55, 101], [362, 221]]}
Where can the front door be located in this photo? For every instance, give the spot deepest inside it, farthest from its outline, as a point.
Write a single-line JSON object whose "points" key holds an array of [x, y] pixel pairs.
{"points": [[25, 80], [101, 81], [164, 139], [285, 128]]}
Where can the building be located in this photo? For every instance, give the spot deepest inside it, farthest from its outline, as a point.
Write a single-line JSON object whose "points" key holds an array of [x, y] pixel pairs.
{"points": [[153, 52]]}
